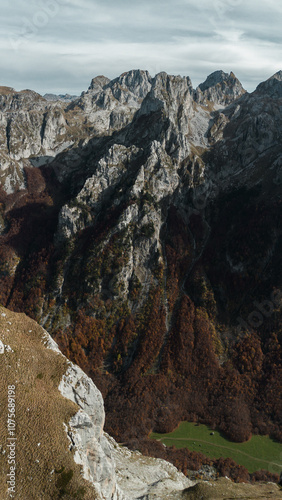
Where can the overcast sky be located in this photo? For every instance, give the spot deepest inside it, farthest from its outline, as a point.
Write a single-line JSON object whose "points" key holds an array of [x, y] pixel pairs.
{"points": [[60, 45]]}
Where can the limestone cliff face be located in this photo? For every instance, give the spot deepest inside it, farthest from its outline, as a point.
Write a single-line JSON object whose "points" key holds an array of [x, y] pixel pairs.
{"points": [[111, 105], [30, 127], [271, 87], [116, 472], [87, 440], [144, 160]]}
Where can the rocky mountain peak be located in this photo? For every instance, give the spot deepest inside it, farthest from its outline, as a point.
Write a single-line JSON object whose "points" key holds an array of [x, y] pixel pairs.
{"points": [[220, 88], [213, 79], [167, 92], [172, 83], [271, 87], [278, 75], [6, 90], [99, 82], [11, 100], [111, 104], [136, 81], [171, 97]]}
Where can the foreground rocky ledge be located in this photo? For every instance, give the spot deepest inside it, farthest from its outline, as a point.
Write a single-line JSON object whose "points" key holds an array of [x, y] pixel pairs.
{"points": [[62, 451]]}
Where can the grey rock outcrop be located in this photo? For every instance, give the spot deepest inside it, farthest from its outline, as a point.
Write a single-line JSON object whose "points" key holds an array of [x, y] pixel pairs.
{"points": [[91, 448], [219, 88], [151, 174], [116, 472], [30, 127], [271, 87], [34, 130], [111, 105]]}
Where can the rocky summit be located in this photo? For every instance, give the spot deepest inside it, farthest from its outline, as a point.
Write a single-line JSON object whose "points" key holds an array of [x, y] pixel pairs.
{"points": [[141, 226]]}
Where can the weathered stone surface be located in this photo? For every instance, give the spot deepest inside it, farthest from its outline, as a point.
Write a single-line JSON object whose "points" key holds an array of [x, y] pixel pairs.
{"points": [[271, 87], [91, 449], [219, 88]]}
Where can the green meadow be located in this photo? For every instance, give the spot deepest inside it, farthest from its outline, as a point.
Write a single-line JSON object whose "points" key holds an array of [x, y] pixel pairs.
{"points": [[260, 452]]}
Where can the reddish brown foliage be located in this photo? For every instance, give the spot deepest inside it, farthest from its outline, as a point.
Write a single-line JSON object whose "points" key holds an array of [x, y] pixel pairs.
{"points": [[227, 467], [151, 379]]}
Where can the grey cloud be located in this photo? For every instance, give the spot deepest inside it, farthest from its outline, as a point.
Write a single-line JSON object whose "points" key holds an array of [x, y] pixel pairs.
{"points": [[63, 51]]}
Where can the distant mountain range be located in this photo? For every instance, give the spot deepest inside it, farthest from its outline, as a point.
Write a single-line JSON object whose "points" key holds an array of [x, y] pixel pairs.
{"points": [[60, 97]]}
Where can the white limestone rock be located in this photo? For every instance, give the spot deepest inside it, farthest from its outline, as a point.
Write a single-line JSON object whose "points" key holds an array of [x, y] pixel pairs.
{"points": [[5, 347], [271, 87], [86, 432], [111, 105], [146, 478]]}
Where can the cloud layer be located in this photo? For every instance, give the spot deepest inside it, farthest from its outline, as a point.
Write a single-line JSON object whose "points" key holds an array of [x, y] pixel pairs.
{"points": [[60, 45]]}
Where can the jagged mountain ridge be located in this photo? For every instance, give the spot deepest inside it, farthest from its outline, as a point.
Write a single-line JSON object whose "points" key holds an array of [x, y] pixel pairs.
{"points": [[143, 242], [47, 128]]}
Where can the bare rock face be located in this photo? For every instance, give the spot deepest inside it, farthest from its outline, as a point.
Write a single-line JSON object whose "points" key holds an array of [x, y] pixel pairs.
{"points": [[219, 88], [150, 174], [30, 128], [246, 137], [170, 97], [36, 129], [146, 478], [137, 82], [98, 83], [116, 472], [271, 87], [111, 105]]}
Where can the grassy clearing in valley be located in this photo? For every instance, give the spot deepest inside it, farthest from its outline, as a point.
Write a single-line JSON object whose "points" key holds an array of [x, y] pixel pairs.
{"points": [[260, 452]]}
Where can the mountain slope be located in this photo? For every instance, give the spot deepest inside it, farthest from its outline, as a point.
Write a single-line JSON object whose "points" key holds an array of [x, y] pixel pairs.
{"points": [[58, 445], [151, 249]]}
